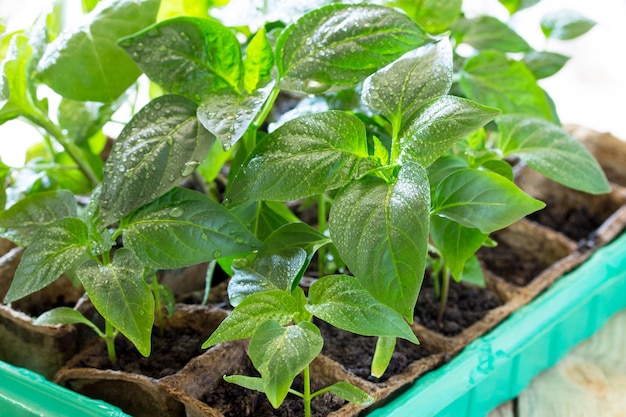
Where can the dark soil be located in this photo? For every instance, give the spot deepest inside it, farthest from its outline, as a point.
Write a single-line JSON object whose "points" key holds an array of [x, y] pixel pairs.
{"points": [[355, 352], [576, 222], [235, 401], [509, 264], [466, 305]]}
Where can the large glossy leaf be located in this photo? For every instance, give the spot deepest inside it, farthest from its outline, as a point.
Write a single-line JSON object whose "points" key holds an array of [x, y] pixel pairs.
{"points": [[23, 219], [304, 157], [381, 232], [183, 228], [482, 200], [188, 55], [273, 270], [438, 125], [565, 24], [456, 243], [56, 248], [251, 313], [342, 301], [342, 44], [121, 295], [228, 114], [434, 16], [551, 151], [398, 90], [494, 80], [157, 149], [281, 353], [85, 63], [487, 32]]}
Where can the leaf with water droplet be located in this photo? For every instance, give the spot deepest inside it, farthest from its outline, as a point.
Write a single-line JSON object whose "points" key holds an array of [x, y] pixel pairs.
{"points": [[228, 114], [166, 147], [183, 228], [188, 56], [381, 232], [121, 295], [304, 157], [339, 45], [85, 62]]}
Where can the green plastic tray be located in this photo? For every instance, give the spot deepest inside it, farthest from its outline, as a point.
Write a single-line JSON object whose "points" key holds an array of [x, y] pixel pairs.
{"points": [[498, 366]]}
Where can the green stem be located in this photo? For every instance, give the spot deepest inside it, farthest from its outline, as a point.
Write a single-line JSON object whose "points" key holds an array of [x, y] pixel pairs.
{"points": [[321, 227], [306, 394], [208, 279], [109, 337], [156, 291], [443, 299], [70, 147]]}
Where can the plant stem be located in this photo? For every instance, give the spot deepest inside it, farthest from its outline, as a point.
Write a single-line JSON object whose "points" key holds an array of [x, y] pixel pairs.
{"points": [[156, 291], [306, 393], [109, 337], [321, 227], [208, 279], [443, 299]]}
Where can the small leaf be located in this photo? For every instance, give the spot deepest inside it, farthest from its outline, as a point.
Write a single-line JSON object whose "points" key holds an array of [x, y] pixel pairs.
{"points": [[189, 56], [544, 64], [340, 45], [487, 32], [251, 313], [248, 382], [23, 219], [157, 149], [482, 200], [56, 248], [565, 24], [15, 80], [514, 6], [120, 294], [228, 114], [434, 16], [342, 301], [258, 63], [551, 151], [382, 355], [398, 90], [65, 315], [183, 228], [85, 63], [272, 270], [381, 232], [83, 119], [296, 235], [281, 353], [438, 125], [304, 157], [264, 217], [350, 393], [473, 273], [492, 79]]}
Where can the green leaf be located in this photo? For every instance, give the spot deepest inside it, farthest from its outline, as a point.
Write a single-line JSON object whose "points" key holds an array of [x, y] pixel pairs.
{"points": [[281, 353], [5, 170], [184, 228], [438, 125], [490, 78], [251, 313], [487, 32], [443, 167], [473, 273], [551, 151], [198, 8], [228, 114], [398, 90], [382, 355], [275, 270], [544, 64], [381, 232], [565, 24], [350, 393], [482, 200], [258, 63], [248, 382], [85, 63], [15, 79], [342, 301], [121, 295], [304, 157], [264, 217], [23, 219], [514, 6], [455, 242], [434, 16], [65, 315], [499, 167], [83, 119], [56, 248], [157, 149], [212, 165], [339, 45], [188, 55]]}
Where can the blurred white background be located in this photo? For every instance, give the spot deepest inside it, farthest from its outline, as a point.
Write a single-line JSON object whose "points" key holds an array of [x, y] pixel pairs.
{"points": [[590, 90]]}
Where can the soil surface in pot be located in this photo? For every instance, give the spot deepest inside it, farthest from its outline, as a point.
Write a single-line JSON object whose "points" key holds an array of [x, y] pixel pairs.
{"points": [[511, 265], [466, 305], [355, 352], [169, 354], [235, 401]]}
